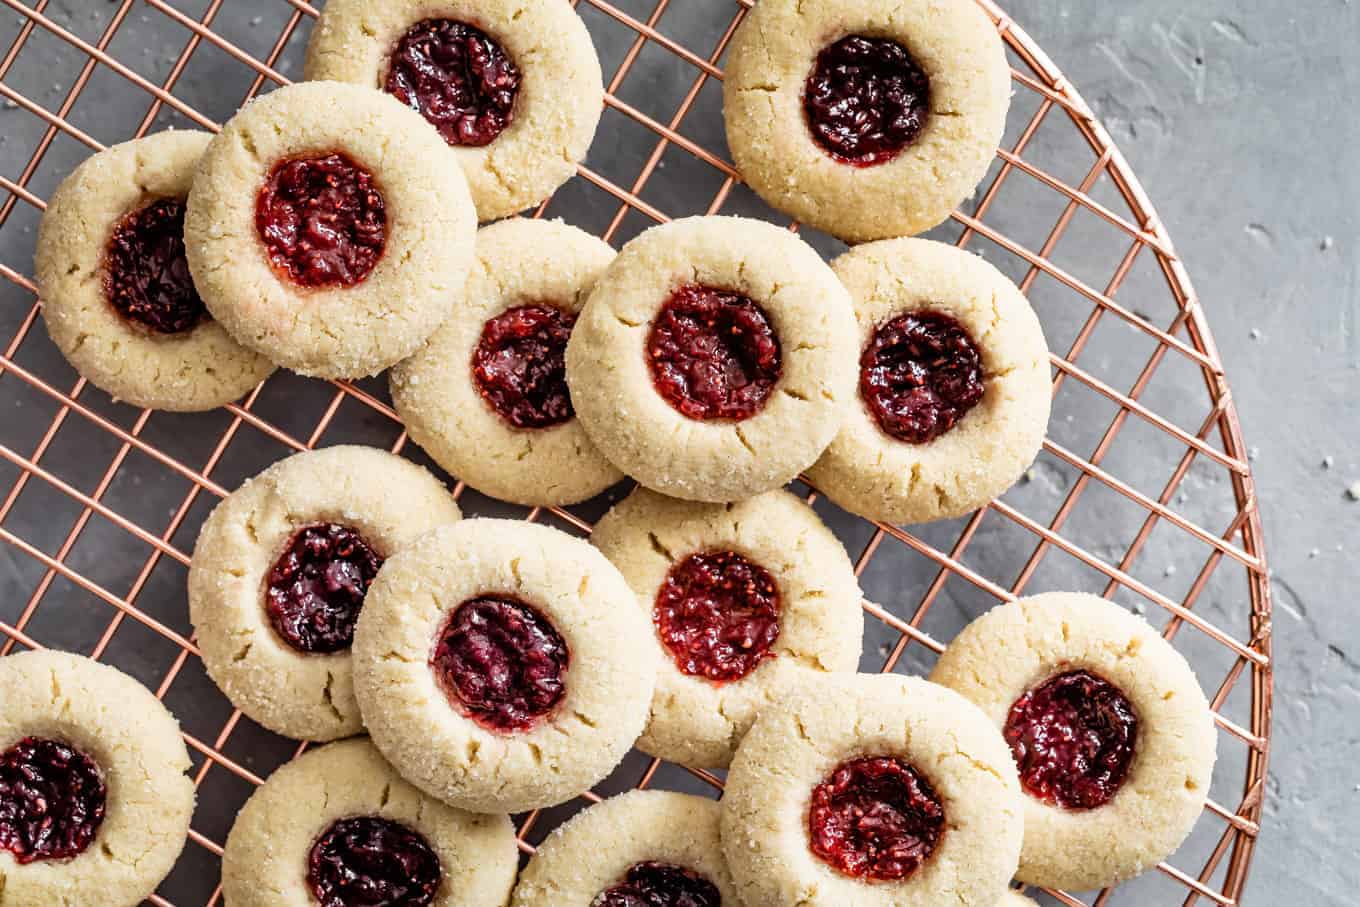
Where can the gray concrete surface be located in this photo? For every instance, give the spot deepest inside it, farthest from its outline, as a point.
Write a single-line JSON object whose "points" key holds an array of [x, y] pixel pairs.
{"points": [[1237, 118]]}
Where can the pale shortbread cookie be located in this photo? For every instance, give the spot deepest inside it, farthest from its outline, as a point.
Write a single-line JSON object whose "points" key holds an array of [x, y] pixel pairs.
{"points": [[795, 744], [136, 745], [695, 721], [265, 863], [717, 459], [305, 695], [1015, 647], [773, 53], [520, 262], [432, 741], [560, 99], [332, 331], [875, 475], [594, 850], [194, 369]]}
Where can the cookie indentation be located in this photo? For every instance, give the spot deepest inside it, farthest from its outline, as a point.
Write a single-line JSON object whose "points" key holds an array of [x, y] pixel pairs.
{"points": [[458, 77], [52, 800], [317, 587], [519, 365], [875, 817], [654, 884], [919, 375], [146, 276], [367, 860], [713, 354], [501, 662], [322, 220], [1073, 737], [717, 615], [865, 100]]}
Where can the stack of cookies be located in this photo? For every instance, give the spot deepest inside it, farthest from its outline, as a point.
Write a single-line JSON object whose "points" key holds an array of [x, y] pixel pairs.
{"points": [[713, 620]]}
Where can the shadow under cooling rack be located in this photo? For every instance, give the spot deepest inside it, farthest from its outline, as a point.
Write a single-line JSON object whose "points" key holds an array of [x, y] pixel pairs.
{"points": [[1142, 493]]}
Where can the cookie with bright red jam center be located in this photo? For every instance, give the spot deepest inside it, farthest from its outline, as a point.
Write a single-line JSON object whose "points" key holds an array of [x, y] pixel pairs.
{"points": [[713, 354], [865, 100], [52, 800], [458, 77], [501, 662], [317, 587], [654, 884], [322, 220], [919, 375], [875, 817], [717, 614], [520, 368], [146, 276], [1073, 739], [366, 861]]}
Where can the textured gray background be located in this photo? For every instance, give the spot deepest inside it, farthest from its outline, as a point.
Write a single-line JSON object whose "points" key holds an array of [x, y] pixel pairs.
{"points": [[1237, 118]]}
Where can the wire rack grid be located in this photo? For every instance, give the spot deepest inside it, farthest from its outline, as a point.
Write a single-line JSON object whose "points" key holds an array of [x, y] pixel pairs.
{"points": [[81, 475]]}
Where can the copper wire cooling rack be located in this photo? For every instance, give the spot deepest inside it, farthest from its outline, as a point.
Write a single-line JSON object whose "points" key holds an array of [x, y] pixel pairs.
{"points": [[1143, 491]]}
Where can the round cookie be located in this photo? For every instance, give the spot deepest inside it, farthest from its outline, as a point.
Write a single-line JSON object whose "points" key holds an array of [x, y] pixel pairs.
{"points": [[279, 574], [1065, 662], [330, 229], [954, 388], [501, 666], [620, 851], [338, 817], [117, 298], [864, 118], [915, 754], [521, 129], [725, 654], [95, 799], [487, 397], [714, 358]]}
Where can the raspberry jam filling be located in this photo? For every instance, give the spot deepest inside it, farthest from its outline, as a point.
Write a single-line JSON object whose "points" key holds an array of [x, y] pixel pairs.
{"points": [[713, 354], [501, 662], [653, 884], [317, 587], [520, 365], [52, 799], [1072, 737], [146, 276], [865, 100], [875, 817], [457, 77], [919, 375], [366, 861], [717, 614], [322, 220]]}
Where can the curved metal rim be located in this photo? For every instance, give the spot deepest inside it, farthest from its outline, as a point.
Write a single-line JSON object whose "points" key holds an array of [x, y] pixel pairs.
{"points": [[1178, 278]]}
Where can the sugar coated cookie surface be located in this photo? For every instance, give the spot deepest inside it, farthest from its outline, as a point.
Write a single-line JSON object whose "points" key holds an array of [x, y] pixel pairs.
{"points": [[487, 395], [118, 300], [714, 358], [866, 119], [330, 229], [95, 799], [281, 571], [840, 747], [502, 666], [953, 391], [338, 826], [1112, 735], [744, 600], [640, 848], [513, 86]]}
